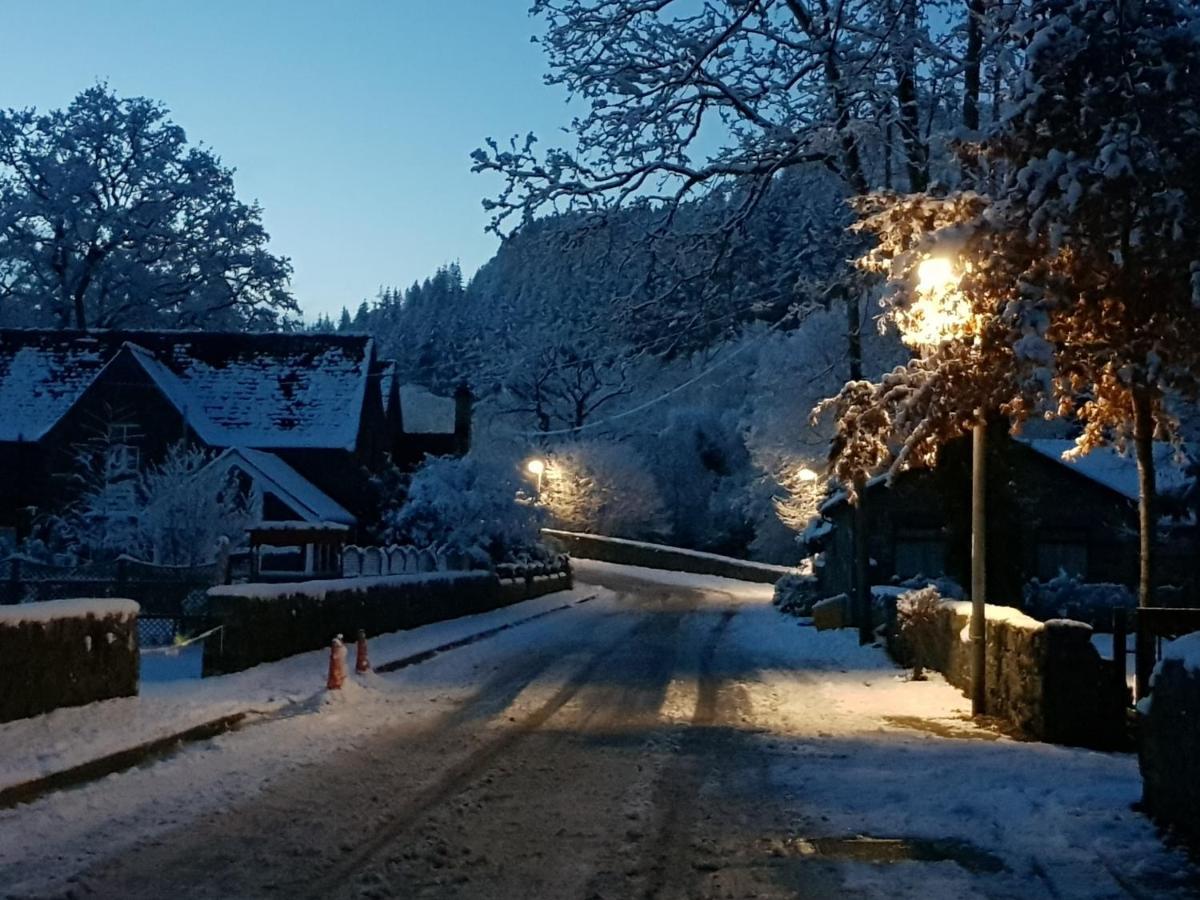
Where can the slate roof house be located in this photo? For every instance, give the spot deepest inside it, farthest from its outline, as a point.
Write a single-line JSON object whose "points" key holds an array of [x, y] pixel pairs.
{"points": [[1045, 515], [307, 417]]}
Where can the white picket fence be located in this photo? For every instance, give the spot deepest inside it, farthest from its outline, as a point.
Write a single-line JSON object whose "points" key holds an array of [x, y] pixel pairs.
{"points": [[400, 560]]}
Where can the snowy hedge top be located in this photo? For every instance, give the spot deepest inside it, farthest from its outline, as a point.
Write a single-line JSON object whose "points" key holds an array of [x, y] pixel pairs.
{"points": [[1185, 650], [1007, 614], [319, 588], [51, 610]]}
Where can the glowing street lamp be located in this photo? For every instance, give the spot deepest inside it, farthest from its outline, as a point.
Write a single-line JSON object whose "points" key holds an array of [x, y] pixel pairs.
{"points": [[939, 314], [537, 468]]}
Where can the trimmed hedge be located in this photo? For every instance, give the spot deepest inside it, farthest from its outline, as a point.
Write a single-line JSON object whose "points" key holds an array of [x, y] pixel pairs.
{"points": [[263, 623], [1169, 748], [66, 653]]}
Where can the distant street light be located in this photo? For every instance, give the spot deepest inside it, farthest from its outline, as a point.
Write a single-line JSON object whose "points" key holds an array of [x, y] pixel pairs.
{"points": [[537, 468], [940, 314]]}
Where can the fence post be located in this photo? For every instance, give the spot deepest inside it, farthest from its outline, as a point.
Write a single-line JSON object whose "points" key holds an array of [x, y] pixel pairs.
{"points": [[1120, 637], [1145, 654]]}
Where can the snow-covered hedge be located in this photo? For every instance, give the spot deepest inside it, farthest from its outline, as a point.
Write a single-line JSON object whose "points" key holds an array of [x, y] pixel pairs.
{"points": [[265, 622], [1169, 745], [795, 594], [1065, 597], [467, 505], [66, 653]]}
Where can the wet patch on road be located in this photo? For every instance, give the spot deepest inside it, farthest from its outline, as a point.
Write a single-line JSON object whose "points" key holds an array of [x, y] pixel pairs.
{"points": [[867, 849]]}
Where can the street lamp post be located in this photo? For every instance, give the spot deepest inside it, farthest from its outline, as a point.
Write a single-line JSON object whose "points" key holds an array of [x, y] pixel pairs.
{"points": [[537, 468], [939, 315]]}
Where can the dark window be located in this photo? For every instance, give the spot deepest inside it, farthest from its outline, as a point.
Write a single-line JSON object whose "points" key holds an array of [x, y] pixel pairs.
{"points": [[281, 559], [920, 551], [1062, 552]]}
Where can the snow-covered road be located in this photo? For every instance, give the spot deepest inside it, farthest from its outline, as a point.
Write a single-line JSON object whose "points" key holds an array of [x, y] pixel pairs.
{"points": [[675, 737]]}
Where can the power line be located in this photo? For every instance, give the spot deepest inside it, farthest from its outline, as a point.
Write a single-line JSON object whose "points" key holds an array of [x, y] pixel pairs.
{"points": [[588, 426]]}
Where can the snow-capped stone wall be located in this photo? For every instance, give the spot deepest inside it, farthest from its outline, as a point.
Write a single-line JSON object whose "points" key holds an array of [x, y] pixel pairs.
{"points": [[1169, 738], [66, 653], [660, 556], [1044, 678]]}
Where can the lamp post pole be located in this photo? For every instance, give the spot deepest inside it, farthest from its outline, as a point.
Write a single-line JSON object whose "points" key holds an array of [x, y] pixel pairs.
{"points": [[937, 285], [979, 566]]}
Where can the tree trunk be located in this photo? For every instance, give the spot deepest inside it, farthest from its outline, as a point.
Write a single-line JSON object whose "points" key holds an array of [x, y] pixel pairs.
{"points": [[910, 109], [1143, 441], [861, 601], [972, 64]]}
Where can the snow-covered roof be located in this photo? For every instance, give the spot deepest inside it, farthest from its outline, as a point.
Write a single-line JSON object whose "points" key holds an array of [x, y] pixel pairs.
{"points": [[41, 375], [272, 474], [253, 390], [1106, 466], [387, 380], [423, 412]]}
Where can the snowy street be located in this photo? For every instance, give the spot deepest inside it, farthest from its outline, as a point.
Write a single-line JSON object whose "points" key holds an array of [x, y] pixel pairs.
{"points": [[674, 737]]}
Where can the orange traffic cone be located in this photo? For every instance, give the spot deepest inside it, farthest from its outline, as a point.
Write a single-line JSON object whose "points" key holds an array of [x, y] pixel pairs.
{"points": [[337, 664], [361, 663]]}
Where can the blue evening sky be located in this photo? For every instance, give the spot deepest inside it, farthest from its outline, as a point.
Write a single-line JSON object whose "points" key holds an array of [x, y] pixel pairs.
{"points": [[350, 122]]}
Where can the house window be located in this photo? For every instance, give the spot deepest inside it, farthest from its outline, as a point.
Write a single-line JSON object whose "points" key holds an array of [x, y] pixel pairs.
{"points": [[919, 551], [1062, 552], [120, 459], [277, 560], [326, 558]]}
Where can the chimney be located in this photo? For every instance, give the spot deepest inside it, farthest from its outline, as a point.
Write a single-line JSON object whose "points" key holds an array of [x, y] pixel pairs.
{"points": [[463, 402]]}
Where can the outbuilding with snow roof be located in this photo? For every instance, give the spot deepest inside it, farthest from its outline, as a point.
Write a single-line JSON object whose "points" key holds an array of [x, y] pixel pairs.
{"points": [[1048, 512]]}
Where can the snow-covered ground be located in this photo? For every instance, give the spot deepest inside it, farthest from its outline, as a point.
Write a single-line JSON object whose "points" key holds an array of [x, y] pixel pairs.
{"points": [[862, 750], [168, 705], [677, 734]]}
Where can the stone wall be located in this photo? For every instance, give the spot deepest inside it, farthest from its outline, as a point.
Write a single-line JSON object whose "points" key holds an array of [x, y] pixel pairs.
{"points": [[1045, 679], [261, 623], [1169, 747], [660, 556], [66, 653]]}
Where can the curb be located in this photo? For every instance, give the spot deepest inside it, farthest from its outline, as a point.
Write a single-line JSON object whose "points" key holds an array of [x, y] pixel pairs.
{"points": [[28, 791], [405, 661], [123, 760]]}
